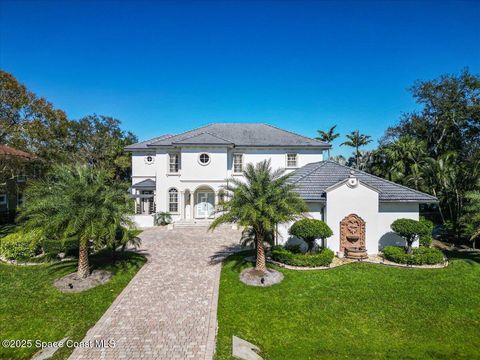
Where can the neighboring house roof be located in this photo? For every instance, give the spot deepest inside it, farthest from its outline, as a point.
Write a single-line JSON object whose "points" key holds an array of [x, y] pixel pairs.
{"points": [[8, 151], [314, 179], [239, 134], [145, 184]]}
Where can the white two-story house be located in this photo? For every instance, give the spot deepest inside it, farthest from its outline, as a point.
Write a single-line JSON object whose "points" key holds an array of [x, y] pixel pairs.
{"points": [[183, 174]]}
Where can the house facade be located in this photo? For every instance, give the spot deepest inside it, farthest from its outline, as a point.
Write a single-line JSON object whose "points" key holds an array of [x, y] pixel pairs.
{"points": [[184, 175]]}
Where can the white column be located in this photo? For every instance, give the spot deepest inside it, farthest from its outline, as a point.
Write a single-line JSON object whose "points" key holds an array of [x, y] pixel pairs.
{"points": [[192, 205], [181, 204]]}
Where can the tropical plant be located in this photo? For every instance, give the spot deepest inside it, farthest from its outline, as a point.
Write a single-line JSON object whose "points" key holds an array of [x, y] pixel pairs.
{"points": [[76, 201], [437, 148], [357, 140], [328, 136], [163, 218], [409, 230], [309, 230], [263, 200], [248, 238], [123, 237], [471, 219]]}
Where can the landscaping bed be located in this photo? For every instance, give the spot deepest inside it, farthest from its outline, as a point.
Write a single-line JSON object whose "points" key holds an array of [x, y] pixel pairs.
{"points": [[359, 310], [320, 259], [32, 308], [419, 256]]}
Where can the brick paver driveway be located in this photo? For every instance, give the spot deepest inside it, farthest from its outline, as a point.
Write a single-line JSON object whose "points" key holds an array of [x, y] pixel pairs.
{"points": [[168, 310]]}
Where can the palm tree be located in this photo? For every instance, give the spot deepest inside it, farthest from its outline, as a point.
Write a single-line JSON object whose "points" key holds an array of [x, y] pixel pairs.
{"points": [[357, 140], [78, 201], [263, 200], [472, 215], [328, 136]]}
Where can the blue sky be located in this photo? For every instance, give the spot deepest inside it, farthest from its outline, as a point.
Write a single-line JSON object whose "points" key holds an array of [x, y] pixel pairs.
{"points": [[166, 67]]}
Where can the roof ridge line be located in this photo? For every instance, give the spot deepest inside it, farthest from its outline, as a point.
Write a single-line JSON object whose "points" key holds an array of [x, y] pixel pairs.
{"points": [[200, 133], [319, 165], [182, 133], [293, 133], [380, 178]]}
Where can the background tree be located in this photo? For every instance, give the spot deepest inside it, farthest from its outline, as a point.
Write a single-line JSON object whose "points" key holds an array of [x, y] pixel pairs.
{"points": [[328, 136], [437, 148], [76, 201], [309, 230], [262, 201], [471, 217], [30, 123], [357, 140]]}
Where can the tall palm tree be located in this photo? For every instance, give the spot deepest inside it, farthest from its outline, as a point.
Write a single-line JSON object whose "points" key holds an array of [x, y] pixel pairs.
{"points": [[328, 136], [77, 201], [357, 140], [263, 200]]}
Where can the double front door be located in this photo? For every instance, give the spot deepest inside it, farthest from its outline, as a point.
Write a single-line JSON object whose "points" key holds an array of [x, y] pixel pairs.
{"points": [[205, 204]]}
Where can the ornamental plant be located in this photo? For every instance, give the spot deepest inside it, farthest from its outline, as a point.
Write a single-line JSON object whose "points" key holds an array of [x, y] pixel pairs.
{"points": [[409, 230], [309, 230]]}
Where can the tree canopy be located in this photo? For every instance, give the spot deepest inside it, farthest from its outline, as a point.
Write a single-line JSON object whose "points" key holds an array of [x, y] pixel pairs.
{"points": [[32, 124]]}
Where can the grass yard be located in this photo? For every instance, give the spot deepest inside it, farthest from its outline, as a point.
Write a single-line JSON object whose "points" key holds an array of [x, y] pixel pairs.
{"points": [[31, 308], [360, 311]]}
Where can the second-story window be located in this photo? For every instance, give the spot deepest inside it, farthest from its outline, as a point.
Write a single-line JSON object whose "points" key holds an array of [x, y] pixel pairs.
{"points": [[174, 163], [291, 160], [237, 163]]}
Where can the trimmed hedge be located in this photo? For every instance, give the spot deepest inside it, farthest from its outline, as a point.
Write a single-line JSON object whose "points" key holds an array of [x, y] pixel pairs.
{"points": [[419, 256], [322, 258], [20, 245]]}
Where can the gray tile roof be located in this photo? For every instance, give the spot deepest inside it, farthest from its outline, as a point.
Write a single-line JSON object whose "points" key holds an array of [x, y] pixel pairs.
{"points": [[144, 184], [143, 144], [202, 138], [239, 134], [313, 179]]}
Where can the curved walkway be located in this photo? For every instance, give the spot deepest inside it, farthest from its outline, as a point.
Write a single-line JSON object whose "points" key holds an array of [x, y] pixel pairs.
{"points": [[168, 310]]}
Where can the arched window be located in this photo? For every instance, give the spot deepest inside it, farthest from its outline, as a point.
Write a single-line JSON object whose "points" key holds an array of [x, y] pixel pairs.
{"points": [[173, 200]]}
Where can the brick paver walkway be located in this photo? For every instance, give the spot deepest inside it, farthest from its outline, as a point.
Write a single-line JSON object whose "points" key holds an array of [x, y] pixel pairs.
{"points": [[168, 310]]}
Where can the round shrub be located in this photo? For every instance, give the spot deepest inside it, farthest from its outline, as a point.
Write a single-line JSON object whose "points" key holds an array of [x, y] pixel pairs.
{"points": [[309, 230], [419, 256], [20, 245], [322, 258], [409, 230]]}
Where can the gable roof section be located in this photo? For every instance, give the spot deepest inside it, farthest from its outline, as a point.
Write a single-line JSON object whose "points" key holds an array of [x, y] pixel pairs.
{"points": [[203, 138], [239, 134], [314, 179], [143, 145], [144, 184]]}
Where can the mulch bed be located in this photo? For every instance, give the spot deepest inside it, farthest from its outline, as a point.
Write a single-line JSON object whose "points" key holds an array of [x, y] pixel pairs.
{"points": [[72, 283]]}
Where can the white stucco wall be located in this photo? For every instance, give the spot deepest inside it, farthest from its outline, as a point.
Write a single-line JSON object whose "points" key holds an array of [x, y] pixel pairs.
{"points": [[388, 213], [363, 201], [193, 175]]}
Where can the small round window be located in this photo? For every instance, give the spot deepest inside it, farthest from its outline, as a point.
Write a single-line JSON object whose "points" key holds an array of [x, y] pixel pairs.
{"points": [[149, 159], [204, 159]]}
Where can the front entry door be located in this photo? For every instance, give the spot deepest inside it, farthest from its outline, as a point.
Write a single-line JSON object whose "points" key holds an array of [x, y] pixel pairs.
{"points": [[205, 204]]}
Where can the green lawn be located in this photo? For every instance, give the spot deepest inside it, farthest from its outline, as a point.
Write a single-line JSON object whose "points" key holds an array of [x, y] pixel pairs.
{"points": [[31, 308], [360, 311]]}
